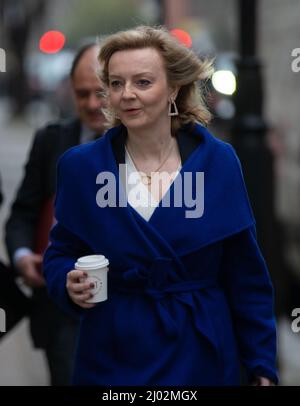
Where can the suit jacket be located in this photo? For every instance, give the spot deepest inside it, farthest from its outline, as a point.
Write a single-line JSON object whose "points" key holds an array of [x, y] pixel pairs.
{"points": [[38, 184], [34, 194], [189, 298]]}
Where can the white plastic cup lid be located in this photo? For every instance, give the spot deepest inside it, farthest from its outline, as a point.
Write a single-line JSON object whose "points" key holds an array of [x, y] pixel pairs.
{"points": [[91, 261]]}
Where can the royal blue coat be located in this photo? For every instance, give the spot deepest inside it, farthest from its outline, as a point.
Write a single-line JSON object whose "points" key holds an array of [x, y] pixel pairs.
{"points": [[189, 299]]}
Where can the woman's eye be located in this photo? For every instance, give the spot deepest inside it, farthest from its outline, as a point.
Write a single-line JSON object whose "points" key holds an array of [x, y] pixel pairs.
{"points": [[115, 83], [144, 82]]}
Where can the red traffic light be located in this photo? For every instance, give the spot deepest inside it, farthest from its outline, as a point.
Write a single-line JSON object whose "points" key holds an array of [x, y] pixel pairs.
{"points": [[52, 42], [182, 36]]}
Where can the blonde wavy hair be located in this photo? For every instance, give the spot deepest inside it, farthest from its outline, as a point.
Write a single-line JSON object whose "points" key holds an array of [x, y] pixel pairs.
{"points": [[183, 68]]}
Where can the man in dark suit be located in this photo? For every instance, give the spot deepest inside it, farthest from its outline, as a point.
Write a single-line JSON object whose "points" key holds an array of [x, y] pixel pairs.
{"points": [[32, 212]]}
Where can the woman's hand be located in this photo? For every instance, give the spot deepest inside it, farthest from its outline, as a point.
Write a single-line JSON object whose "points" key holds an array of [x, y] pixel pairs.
{"points": [[262, 381], [78, 289]]}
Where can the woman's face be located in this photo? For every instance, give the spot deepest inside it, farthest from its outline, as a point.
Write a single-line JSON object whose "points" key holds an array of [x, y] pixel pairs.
{"points": [[138, 88]]}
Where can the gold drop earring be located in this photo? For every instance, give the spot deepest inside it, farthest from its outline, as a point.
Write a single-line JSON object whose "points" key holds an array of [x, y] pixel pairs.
{"points": [[173, 111]]}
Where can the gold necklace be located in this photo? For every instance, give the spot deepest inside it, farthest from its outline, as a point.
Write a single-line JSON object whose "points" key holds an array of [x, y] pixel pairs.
{"points": [[147, 179]]}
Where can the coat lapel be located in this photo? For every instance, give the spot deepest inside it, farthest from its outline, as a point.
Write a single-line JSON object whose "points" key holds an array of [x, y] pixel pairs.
{"points": [[225, 201], [168, 233]]}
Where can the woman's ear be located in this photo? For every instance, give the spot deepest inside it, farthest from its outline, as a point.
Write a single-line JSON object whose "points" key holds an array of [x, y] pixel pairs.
{"points": [[173, 93]]}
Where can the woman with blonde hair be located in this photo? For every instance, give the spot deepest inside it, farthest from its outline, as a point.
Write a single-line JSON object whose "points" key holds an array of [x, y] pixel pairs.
{"points": [[189, 295]]}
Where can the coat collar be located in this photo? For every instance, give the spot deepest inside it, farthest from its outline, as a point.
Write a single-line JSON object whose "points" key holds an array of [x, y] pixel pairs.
{"points": [[226, 206], [169, 232], [187, 141]]}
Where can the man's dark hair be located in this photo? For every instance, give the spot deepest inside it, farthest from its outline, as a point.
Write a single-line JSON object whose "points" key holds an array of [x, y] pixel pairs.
{"points": [[81, 51]]}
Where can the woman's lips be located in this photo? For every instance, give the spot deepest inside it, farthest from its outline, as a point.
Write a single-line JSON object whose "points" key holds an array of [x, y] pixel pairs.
{"points": [[131, 112]]}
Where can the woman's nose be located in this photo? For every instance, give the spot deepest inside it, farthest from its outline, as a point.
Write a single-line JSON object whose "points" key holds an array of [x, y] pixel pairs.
{"points": [[128, 92]]}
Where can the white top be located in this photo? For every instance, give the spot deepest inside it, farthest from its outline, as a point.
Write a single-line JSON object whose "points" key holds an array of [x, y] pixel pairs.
{"points": [[138, 194]]}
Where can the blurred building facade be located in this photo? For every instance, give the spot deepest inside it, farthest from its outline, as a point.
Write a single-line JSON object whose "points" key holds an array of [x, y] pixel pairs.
{"points": [[282, 109]]}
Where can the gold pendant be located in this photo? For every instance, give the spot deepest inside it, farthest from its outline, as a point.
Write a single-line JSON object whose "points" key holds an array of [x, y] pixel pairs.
{"points": [[147, 180]]}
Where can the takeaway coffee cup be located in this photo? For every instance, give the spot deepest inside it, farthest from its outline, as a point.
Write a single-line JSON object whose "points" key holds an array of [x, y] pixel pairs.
{"points": [[96, 267]]}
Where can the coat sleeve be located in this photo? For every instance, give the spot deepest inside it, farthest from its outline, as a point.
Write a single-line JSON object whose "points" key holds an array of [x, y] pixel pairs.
{"points": [[250, 295], [65, 244], [59, 259]]}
